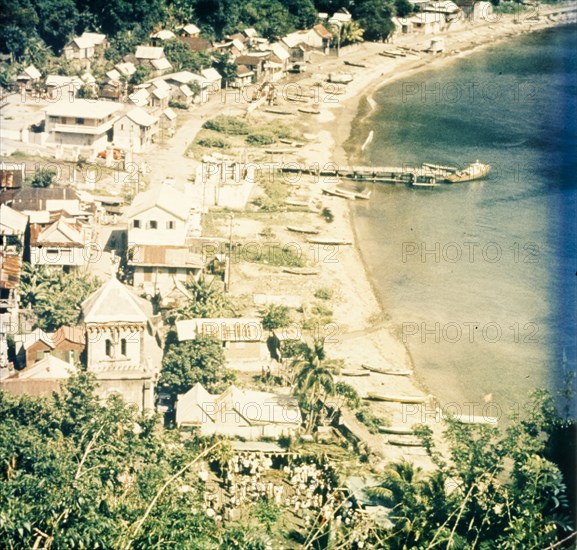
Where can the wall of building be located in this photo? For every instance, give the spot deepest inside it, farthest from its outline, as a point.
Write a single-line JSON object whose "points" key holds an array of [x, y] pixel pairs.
{"points": [[161, 235]]}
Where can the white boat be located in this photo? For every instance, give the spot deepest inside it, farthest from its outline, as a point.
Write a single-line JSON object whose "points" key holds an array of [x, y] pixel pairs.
{"points": [[351, 372], [339, 193], [329, 241], [306, 230], [340, 78], [474, 171], [405, 442], [396, 398], [394, 372]]}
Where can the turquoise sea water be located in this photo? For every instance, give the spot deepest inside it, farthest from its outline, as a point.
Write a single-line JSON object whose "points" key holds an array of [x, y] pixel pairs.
{"points": [[479, 277]]}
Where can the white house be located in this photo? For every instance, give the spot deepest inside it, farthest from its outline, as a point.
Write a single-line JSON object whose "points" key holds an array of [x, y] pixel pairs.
{"points": [[120, 350], [159, 216], [135, 130], [84, 46], [213, 78], [239, 413], [190, 30], [81, 123]]}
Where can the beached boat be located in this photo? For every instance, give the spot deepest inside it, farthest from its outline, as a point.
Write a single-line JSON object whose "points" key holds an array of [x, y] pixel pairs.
{"points": [[297, 202], [355, 373], [309, 111], [395, 53], [306, 230], [351, 64], [363, 196], [333, 191], [474, 171], [302, 270], [390, 55], [280, 150], [298, 99], [291, 142], [396, 398], [394, 372], [399, 430], [329, 241], [340, 78], [405, 442], [471, 419], [278, 112], [333, 90]]}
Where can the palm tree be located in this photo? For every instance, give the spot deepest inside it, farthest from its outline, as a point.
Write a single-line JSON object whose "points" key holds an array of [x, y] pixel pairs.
{"points": [[314, 380], [350, 32]]}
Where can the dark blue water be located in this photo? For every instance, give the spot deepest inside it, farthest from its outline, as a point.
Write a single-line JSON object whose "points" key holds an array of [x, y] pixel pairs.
{"points": [[479, 278]]}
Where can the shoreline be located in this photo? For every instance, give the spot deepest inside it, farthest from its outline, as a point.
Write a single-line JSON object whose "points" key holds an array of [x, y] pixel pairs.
{"points": [[345, 143]]}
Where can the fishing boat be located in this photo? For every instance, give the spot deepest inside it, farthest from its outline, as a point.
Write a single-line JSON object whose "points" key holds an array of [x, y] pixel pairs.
{"points": [[399, 430], [306, 230], [475, 171], [440, 167], [280, 150], [309, 111], [396, 398], [355, 373], [351, 64], [333, 191], [386, 54], [301, 270], [298, 99], [291, 142], [297, 202], [363, 196], [278, 112], [395, 53], [329, 241], [394, 372], [471, 419], [405, 442], [340, 78]]}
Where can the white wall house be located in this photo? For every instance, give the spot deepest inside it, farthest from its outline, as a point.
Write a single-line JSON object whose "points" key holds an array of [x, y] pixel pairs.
{"points": [[159, 216], [81, 123], [135, 131]]}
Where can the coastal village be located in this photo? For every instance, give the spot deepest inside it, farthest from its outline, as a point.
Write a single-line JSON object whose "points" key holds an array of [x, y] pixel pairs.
{"points": [[185, 237]]}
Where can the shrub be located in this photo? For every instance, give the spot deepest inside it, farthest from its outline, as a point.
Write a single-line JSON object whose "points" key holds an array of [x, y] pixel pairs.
{"points": [[260, 138], [218, 143], [227, 125], [328, 215], [176, 104], [324, 293]]}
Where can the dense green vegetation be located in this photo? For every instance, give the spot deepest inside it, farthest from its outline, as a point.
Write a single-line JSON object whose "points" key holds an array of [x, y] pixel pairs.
{"points": [[34, 29], [54, 296]]}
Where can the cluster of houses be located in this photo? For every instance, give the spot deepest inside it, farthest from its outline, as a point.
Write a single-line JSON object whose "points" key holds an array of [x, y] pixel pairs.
{"points": [[118, 336]]}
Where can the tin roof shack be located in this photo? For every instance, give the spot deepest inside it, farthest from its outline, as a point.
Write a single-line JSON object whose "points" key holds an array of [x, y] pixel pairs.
{"points": [[239, 412], [66, 344], [242, 338], [12, 175], [156, 269]]}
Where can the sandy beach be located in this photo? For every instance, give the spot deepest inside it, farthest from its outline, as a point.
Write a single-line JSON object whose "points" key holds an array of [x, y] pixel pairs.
{"points": [[360, 331]]}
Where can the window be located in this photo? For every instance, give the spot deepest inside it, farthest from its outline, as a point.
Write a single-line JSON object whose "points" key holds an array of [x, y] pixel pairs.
{"points": [[79, 121], [136, 224], [123, 347], [170, 225], [108, 346], [153, 224], [52, 251], [172, 270]]}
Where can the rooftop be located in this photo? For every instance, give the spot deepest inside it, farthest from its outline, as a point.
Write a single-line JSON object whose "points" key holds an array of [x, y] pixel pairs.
{"points": [[163, 197], [83, 108]]}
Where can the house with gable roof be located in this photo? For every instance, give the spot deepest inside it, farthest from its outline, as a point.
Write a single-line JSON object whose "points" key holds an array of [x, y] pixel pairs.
{"points": [[135, 130], [238, 412], [120, 349], [85, 46], [161, 216]]}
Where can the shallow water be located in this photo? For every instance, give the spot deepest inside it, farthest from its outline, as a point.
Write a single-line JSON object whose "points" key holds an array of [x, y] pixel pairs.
{"points": [[479, 277]]}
